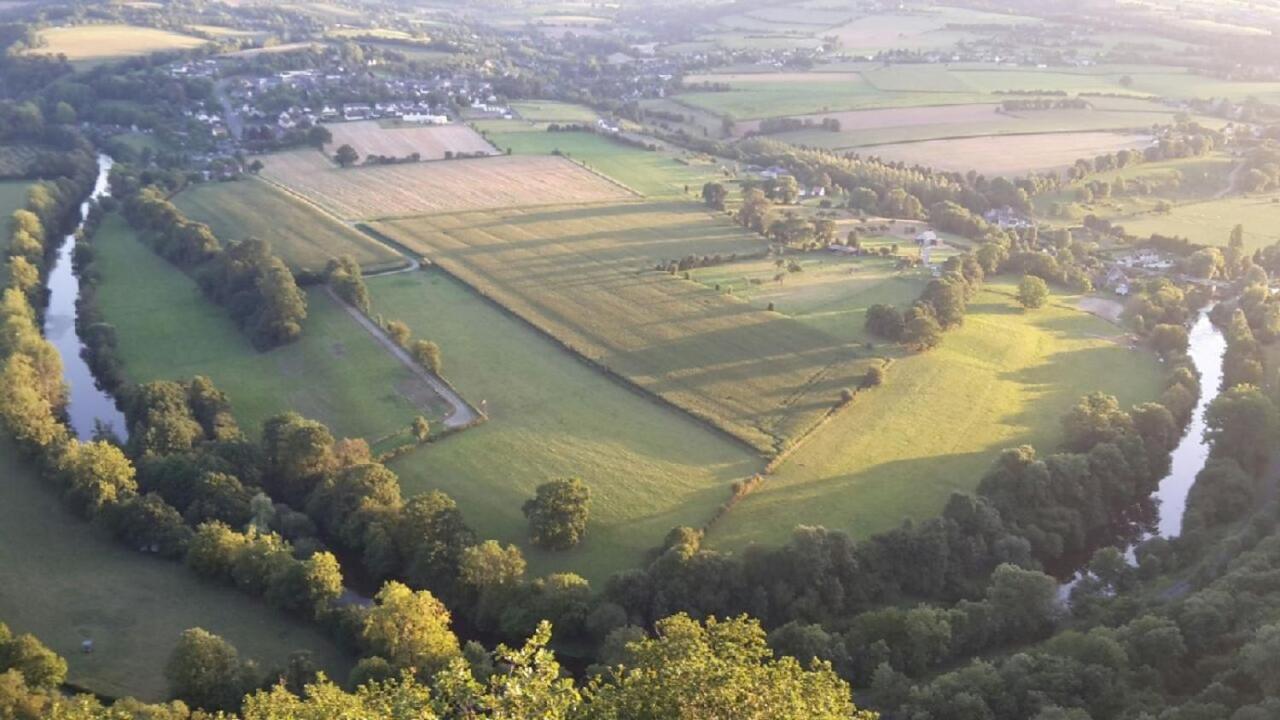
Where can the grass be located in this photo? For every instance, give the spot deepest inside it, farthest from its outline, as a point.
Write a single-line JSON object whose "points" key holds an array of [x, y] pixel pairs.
{"points": [[335, 373], [1209, 222], [553, 111], [584, 275], [86, 45], [1003, 379], [1009, 155], [650, 173], [650, 467], [1172, 181], [13, 196], [303, 235], [65, 581]]}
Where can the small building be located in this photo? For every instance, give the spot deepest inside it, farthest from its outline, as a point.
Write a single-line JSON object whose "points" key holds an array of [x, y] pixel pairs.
{"points": [[928, 238], [425, 118]]}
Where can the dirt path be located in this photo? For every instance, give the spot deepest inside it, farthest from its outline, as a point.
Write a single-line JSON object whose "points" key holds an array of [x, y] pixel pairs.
{"points": [[1232, 179], [462, 413]]}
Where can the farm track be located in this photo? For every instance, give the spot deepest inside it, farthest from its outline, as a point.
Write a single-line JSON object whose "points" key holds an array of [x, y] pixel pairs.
{"points": [[462, 414]]}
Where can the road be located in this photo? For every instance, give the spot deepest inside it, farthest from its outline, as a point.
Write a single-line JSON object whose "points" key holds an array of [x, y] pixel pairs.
{"points": [[234, 124], [1232, 179], [461, 415]]}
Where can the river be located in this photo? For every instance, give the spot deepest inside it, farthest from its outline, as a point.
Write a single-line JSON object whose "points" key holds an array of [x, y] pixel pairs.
{"points": [[1206, 346], [88, 404]]}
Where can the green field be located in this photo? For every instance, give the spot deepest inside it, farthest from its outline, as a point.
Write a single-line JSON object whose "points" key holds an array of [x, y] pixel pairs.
{"points": [[13, 196], [1172, 181], [1209, 222], [553, 111], [650, 173], [584, 275], [86, 45], [1003, 379], [303, 235], [650, 468], [64, 581], [336, 373]]}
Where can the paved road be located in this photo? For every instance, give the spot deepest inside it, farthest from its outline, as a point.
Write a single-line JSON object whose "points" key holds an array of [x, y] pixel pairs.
{"points": [[461, 415], [232, 118]]}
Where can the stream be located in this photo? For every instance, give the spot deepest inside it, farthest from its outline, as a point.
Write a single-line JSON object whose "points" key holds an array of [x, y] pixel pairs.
{"points": [[1206, 346], [88, 404]]}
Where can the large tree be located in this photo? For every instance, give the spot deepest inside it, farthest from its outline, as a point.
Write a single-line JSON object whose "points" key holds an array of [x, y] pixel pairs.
{"points": [[558, 513], [410, 629]]}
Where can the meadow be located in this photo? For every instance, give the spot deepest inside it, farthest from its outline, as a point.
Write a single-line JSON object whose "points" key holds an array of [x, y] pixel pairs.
{"points": [[86, 45], [449, 186], [1209, 222], [651, 173], [650, 467], [1172, 181], [13, 196], [901, 449], [540, 111], [303, 235], [431, 142], [336, 373], [132, 605], [585, 276], [1009, 155]]}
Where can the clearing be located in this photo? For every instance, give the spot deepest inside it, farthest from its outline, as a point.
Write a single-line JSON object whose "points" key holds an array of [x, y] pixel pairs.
{"points": [[1003, 379], [455, 185], [650, 467], [585, 276], [303, 235], [336, 373], [132, 605], [86, 45], [1009, 155], [431, 142]]}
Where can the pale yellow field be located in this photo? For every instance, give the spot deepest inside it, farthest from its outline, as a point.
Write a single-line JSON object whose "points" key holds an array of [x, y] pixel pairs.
{"points": [[1009, 154], [370, 137], [99, 43], [899, 117], [385, 191]]}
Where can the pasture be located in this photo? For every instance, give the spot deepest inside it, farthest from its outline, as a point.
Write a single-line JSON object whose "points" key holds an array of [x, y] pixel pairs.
{"points": [[650, 467], [650, 173], [383, 191], [1209, 222], [303, 235], [1003, 379], [922, 29], [1009, 155], [85, 45], [132, 605], [540, 111], [431, 142], [336, 373], [585, 276]]}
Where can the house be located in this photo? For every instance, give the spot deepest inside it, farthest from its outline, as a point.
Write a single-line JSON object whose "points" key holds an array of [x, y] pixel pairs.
{"points": [[773, 173], [927, 238], [425, 118]]}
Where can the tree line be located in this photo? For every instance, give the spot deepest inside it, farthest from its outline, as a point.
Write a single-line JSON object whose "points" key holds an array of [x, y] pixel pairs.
{"points": [[257, 288]]}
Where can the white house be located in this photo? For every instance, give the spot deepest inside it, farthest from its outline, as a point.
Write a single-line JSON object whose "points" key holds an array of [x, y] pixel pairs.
{"points": [[425, 118]]}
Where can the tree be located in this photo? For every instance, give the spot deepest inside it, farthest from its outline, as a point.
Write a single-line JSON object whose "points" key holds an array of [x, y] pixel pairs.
{"points": [[427, 354], [399, 333], [921, 330], [346, 156], [720, 670], [95, 475], [885, 321], [786, 189], [754, 213], [1207, 263], [714, 195], [490, 565], [207, 672], [421, 429], [1241, 424], [1169, 340], [319, 136], [344, 275], [1032, 291], [558, 513], [1097, 418], [40, 667], [410, 629]]}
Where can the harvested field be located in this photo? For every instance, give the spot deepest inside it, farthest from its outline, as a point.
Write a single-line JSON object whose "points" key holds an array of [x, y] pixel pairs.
{"points": [[89, 44], [853, 120], [385, 191], [1009, 155], [432, 142], [585, 276], [303, 235]]}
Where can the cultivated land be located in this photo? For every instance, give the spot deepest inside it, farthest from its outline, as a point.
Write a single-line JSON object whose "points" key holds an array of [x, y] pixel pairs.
{"points": [[335, 373], [1009, 155], [585, 276], [650, 173], [91, 44], [455, 185], [1003, 379], [1209, 222], [650, 467], [65, 581], [303, 235], [432, 142]]}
